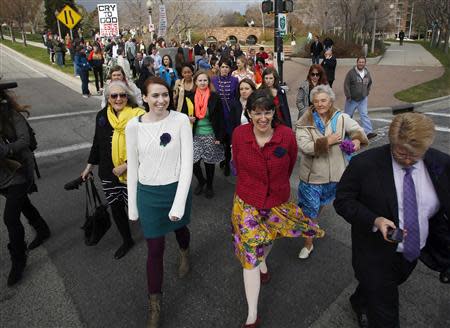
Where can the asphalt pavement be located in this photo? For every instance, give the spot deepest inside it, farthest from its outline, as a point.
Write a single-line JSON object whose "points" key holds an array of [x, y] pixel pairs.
{"points": [[68, 284]]}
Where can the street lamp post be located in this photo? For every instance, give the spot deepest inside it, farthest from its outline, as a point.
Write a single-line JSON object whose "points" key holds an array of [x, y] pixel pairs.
{"points": [[411, 21], [151, 28], [372, 48]]}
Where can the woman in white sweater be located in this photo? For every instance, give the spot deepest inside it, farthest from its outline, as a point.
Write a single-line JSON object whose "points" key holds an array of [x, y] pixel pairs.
{"points": [[160, 160]]}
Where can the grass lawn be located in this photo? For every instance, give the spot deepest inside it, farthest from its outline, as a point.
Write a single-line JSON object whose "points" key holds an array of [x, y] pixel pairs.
{"points": [[432, 89], [39, 54]]}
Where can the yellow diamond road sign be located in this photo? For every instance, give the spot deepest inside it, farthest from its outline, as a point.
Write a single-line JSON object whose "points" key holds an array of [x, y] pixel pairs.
{"points": [[69, 17]]}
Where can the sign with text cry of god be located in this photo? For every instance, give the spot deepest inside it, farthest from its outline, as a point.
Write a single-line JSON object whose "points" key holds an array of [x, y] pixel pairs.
{"points": [[108, 19]]}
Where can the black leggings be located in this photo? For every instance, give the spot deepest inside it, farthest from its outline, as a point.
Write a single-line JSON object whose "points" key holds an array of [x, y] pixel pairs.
{"points": [[209, 168], [98, 74], [17, 202], [155, 257], [120, 217]]}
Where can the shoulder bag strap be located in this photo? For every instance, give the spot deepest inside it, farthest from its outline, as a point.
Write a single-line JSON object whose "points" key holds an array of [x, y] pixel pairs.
{"points": [[95, 195]]}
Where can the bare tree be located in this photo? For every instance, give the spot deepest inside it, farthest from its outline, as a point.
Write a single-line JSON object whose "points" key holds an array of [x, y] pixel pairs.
{"points": [[437, 13], [37, 9]]}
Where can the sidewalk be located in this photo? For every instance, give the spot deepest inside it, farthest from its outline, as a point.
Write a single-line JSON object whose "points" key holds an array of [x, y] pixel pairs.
{"points": [[410, 54]]}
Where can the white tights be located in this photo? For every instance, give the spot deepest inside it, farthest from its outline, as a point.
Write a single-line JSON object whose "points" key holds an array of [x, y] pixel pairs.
{"points": [[252, 284]]}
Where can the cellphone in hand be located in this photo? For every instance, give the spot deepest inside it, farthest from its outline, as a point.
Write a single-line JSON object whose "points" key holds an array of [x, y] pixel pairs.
{"points": [[395, 235]]}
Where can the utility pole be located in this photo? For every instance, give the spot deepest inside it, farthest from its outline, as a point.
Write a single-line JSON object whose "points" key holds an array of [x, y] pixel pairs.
{"points": [[280, 6]]}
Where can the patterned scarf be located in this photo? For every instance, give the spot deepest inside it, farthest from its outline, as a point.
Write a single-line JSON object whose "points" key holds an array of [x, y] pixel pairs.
{"points": [[318, 122], [201, 102]]}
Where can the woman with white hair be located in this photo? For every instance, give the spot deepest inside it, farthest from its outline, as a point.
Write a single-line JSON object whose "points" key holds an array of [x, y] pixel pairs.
{"points": [[321, 135], [109, 152]]}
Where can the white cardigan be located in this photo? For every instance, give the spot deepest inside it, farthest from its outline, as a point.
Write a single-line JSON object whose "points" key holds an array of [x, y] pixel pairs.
{"points": [[153, 164]]}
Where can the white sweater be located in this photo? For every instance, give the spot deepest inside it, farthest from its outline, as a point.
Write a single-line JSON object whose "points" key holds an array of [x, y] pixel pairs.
{"points": [[152, 164]]}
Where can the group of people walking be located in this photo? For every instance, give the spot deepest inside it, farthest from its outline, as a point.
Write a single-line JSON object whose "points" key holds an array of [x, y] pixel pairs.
{"points": [[146, 158]]}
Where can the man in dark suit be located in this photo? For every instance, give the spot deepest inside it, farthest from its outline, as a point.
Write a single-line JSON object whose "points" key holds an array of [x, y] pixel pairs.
{"points": [[404, 185], [137, 65]]}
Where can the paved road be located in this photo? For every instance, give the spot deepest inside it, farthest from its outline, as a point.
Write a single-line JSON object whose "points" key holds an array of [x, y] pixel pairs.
{"points": [[70, 285]]}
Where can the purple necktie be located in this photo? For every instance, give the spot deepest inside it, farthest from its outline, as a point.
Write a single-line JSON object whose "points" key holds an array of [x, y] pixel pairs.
{"points": [[411, 250]]}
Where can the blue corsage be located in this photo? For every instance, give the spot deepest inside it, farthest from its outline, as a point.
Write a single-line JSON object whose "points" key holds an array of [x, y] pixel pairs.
{"points": [[165, 139], [279, 152]]}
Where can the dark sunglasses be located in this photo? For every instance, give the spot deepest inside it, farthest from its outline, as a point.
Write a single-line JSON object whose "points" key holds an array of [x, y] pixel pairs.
{"points": [[116, 95], [315, 74]]}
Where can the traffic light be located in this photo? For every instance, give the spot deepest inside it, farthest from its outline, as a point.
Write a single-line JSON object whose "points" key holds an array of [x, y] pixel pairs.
{"points": [[267, 6]]}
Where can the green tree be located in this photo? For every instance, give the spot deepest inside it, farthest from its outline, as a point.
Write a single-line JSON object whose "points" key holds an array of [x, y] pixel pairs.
{"points": [[50, 19]]}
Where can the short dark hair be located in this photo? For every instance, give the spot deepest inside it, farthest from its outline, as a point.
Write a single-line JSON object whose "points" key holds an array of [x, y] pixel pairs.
{"points": [[226, 61], [361, 57], [263, 99]]}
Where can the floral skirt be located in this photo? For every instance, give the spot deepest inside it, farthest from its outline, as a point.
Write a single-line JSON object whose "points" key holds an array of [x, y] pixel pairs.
{"points": [[253, 229]]}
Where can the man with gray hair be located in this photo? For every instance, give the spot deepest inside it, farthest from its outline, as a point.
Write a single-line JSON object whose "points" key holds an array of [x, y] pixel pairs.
{"points": [[357, 86], [397, 199]]}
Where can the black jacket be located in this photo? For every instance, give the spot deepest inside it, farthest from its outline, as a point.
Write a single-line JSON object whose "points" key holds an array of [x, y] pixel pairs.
{"points": [[15, 145], [235, 114], [367, 191], [215, 116], [329, 65], [284, 107], [101, 147], [316, 49]]}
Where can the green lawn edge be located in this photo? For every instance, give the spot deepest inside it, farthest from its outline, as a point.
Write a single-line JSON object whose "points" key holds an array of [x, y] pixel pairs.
{"points": [[436, 88], [39, 54]]}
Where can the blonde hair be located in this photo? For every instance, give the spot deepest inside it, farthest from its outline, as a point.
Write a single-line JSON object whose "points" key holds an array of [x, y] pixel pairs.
{"points": [[414, 131]]}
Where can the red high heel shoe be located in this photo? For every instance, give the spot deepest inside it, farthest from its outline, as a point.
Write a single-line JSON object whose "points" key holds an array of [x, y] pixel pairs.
{"points": [[253, 325]]}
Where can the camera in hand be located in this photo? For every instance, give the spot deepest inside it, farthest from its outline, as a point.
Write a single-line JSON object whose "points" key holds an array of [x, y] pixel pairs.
{"points": [[74, 184], [395, 235]]}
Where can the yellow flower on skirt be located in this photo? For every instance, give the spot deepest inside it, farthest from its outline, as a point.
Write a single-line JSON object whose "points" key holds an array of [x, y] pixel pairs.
{"points": [[253, 229]]}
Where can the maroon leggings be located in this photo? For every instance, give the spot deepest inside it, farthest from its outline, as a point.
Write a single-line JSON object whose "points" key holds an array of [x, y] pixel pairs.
{"points": [[155, 258]]}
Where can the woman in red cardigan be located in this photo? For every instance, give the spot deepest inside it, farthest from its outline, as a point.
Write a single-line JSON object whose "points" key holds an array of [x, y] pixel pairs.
{"points": [[264, 155]]}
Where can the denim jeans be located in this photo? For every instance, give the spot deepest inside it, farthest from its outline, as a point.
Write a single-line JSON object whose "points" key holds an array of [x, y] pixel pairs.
{"points": [[84, 76], [350, 107], [316, 59]]}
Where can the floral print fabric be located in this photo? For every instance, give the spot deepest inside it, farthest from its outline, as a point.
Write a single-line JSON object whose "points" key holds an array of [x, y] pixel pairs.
{"points": [[253, 229]]}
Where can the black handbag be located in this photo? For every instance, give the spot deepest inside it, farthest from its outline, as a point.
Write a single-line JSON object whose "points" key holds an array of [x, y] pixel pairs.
{"points": [[97, 217]]}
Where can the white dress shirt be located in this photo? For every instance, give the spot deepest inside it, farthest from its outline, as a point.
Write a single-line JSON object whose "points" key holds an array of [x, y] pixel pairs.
{"points": [[427, 200]]}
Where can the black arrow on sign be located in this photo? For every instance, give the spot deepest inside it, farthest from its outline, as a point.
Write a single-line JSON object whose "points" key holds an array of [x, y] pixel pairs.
{"points": [[70, 15]]}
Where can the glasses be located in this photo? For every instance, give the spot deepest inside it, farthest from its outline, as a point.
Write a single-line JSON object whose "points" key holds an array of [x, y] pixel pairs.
{"points": [[119, 95], [267, 114], [404, 156], [315, 74]]}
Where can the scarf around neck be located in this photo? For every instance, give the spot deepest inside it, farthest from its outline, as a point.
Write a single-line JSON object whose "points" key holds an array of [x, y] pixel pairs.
{"points": [[118, 142], [201, 102]]}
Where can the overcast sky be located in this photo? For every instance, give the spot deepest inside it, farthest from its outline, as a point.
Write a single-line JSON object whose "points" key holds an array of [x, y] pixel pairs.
{"points": [[239, 5]]}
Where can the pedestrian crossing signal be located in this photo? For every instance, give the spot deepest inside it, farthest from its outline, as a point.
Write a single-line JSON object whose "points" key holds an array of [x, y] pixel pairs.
{"points": [[69, 17], [267, 7]]}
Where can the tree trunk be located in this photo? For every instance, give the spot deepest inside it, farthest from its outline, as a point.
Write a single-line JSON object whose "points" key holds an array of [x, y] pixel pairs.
{"points": [[33, 28], [438, 44], [13, 38], [1, 32], [446, 36], [24, 37]]}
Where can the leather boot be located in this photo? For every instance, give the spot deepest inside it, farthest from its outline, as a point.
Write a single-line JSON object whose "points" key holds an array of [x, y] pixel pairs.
{"points": [[154, 310], [18, 263], [184, 267], [42, 234]]}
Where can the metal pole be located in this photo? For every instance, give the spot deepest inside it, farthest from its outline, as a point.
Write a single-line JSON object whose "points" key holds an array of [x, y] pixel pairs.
{"points": [[71, 34], [262, 20], [411, 21], [372, 48], [278, 42]]}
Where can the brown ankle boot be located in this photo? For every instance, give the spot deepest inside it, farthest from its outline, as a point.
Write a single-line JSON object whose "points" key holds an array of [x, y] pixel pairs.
{"points": [[184, 267], [154, 310]]}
